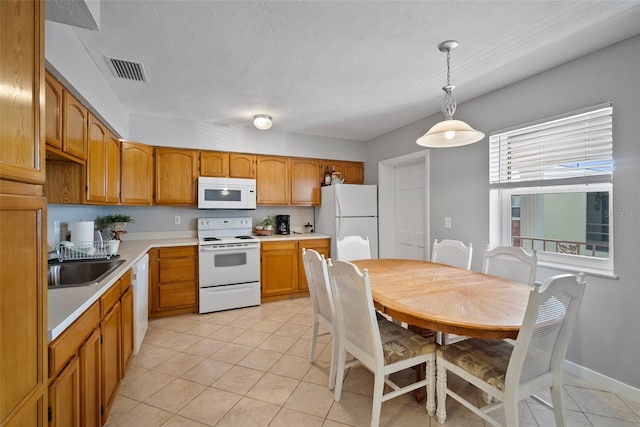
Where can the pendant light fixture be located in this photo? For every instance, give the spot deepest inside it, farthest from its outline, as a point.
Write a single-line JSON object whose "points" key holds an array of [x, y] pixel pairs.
{"points": [[449, 133], [262, 121]]}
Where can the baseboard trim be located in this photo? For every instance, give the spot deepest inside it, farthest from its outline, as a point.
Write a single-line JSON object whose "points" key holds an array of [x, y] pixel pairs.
{"points": [[606, 383]]}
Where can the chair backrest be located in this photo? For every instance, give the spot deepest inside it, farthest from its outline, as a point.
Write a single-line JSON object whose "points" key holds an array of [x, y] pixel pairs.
{"points": [[511, 263], [356, 324], [453, 253], [315, 268], [353, 247], [549, 319]]}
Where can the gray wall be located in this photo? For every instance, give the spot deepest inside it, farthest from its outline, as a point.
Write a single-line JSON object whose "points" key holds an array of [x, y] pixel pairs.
{"points": [[606, 339]]}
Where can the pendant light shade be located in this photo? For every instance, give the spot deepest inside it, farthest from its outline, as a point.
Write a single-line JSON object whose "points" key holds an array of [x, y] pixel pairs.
{"points": [[450, 132]]}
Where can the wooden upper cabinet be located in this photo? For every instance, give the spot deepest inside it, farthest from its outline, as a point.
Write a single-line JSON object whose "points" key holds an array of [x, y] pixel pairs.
{"points": [[53, 111], [333, 165], [272, 180], [74, 130], [242, 165], [112, 170], [305, 183], [136, 180], [22, 81], [176, 176], [96, 161], [353, 173], [214, 163]]}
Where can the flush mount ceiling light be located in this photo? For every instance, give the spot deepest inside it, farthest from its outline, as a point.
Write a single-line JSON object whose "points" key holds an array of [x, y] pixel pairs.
{"points": [[449, 133], [262, 121]]}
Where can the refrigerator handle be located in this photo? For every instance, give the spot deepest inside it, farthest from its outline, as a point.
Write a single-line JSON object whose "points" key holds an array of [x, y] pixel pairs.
{"points": [[339, 205], [338, 231]]}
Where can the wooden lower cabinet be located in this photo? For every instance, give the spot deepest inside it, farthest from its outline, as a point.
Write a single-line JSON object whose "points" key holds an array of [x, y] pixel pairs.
{"points": [[173, 281], [282, 273], [87, 361]]}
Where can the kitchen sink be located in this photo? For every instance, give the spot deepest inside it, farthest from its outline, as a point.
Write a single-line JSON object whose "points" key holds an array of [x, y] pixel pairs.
{"points": [[80, 273]]}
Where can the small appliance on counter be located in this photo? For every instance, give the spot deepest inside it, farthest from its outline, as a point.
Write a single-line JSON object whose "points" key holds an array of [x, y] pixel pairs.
{"points": [[282, 224]]}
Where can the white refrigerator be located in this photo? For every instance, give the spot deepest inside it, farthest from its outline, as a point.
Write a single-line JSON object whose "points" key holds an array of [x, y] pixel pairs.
{"points": [[349, 210]]}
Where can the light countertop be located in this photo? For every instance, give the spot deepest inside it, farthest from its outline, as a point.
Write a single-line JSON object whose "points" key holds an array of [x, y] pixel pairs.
{"points": [[65, 305]]}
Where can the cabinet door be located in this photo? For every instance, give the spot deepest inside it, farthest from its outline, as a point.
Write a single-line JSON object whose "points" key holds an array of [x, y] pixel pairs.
{"points": [[214, 163], [136, 181], [96, 189], [22, 82], [353, 173], [272, 180], [127, 330], [110, 358], [176, 176], [90, 402], [319, 245], [112, 169], [23, 304], [74, 130], [64, 397], [279, 267], [334, 166], [53, 111], [242, 165], [305, 185]]}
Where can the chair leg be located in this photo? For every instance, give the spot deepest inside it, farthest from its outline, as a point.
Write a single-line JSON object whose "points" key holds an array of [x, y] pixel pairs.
{"points": [[556, 401], [510, 410], [334, 362], [314, 340], [441, 385], [339, 378], [378, 389], [487, 397], [431, 387]]}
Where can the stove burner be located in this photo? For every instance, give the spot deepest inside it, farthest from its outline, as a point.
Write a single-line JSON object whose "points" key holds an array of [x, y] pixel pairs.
{"points": [[244, 237], [210, 239]]}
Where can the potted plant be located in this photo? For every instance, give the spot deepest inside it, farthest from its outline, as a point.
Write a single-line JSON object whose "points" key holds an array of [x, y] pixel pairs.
{"points": [[268, 223], [116, 223]]}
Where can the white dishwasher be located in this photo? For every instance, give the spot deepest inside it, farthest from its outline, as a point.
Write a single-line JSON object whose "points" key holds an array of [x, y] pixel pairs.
{"points": [[140, 301]]}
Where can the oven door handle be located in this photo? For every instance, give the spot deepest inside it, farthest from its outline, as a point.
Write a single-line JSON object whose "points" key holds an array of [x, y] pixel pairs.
{"points": [[228, 249]]}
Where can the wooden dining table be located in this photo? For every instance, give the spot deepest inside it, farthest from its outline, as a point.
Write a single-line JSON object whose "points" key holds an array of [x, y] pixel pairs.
{"points": [[447, 299]]}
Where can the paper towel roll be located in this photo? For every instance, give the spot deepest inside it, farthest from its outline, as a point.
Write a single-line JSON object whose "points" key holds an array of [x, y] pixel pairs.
{"points": [[82, 231]]}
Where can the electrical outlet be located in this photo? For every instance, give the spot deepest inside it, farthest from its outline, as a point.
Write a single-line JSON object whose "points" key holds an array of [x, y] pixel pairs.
{"points": [[447, 222], [177, 220]]}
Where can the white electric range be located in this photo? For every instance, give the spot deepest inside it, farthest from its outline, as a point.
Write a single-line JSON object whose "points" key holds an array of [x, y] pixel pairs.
{"points": [[229, 264]]}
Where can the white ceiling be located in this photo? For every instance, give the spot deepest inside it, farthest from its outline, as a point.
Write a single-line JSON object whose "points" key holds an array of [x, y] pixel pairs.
{"points": [[351, 70]]}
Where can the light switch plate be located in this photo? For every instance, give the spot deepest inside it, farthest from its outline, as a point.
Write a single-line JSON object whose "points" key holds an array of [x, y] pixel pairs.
{"points": [[447, 222]]}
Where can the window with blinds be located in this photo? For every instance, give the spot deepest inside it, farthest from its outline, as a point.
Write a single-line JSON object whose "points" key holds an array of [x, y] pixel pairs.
{"points": [[551, 189], [577, 148]]}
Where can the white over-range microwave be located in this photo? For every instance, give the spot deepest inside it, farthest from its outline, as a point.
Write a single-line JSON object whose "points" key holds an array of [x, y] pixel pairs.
{"points": [[226, 193]]}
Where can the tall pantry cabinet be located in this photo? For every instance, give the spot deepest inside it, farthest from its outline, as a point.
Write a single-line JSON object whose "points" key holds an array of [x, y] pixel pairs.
{"points": [[23, 303]]}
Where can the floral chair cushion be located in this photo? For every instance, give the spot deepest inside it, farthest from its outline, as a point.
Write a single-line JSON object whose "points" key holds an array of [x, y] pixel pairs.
{"points": [[485, 359], [399, 343]]}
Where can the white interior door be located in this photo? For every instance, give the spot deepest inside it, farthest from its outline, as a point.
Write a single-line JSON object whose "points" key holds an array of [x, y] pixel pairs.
{"points": [[404, 206]]}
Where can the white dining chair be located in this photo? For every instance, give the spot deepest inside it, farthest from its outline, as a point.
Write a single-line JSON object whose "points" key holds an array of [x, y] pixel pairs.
{"points": [[453, 253], [380, 346], [510, 372], [510, 262], [353, 247], [315, 268]]}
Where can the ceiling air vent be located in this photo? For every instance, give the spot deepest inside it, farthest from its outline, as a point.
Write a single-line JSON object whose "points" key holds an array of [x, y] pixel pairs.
{"points": [[127, 69]]}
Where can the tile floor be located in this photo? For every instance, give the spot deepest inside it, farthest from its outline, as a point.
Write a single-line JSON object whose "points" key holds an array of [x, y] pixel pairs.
{"points": [[250, 367]]}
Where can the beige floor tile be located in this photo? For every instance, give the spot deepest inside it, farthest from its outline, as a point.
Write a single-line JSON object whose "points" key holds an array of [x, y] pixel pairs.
{"points": [[277, 343], [210, 406], [311, 399], [145, 385], [142, 416], [359, 380], [207, 372], [231, 353], [291, 366], [273, 389], [133, 372], [266, 325], [178, 364], [288, 418], [302, 319], [178, 421], [330, 423], [602, 403], [175, 395], [282, 316], [227, 334], [292, 330], [600, 421], [223, 317], [245, 322], [396, 415], [155, 336], [121, 405], [634, 405], [353, 409], [205, 347], [251, 338], [249, 413], [545, 417], [151, 356], [180, 342], [302, 348], [260, 359], [238, 380], [203, 329], [318, 373], [175, 323]]}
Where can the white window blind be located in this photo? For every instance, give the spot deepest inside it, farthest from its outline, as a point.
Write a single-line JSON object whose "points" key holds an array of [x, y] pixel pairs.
{"points": [[573, 149]]}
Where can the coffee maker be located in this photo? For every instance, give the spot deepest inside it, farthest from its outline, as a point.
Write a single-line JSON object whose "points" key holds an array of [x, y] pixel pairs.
{"points": [[282, 224]]}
